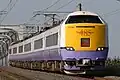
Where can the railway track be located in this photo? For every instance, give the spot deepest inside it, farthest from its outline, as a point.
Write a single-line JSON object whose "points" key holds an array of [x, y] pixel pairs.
{"points": [[95, 78], [11, 73], [6, 75], [98, 78]]}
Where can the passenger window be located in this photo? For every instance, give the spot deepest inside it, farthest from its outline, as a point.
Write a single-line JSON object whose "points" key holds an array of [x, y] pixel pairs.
{"points": [[83, 19], [20, 49], [14, 50], [38, 44], [27, 47]]}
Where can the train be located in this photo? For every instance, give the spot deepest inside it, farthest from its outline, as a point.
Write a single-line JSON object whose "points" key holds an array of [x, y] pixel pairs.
{"points": [[77, 45]]}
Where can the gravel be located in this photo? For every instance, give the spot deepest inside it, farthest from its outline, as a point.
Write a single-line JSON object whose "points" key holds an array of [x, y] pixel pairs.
{"points": [[38, 75], [24, 74]]}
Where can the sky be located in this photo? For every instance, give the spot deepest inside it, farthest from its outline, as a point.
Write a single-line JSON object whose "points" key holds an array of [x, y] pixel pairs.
{"points": [[109, 10]]}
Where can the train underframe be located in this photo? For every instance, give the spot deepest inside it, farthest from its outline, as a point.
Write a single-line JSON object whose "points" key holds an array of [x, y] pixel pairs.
{"points": [[68, 67]]}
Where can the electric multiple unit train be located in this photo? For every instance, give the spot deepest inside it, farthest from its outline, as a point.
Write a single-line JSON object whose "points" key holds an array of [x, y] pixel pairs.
{"points": [[79, 44]]}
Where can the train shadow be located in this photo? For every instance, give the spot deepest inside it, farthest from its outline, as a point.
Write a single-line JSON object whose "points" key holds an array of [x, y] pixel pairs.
{"points": [[109, 71], [112, 71]]}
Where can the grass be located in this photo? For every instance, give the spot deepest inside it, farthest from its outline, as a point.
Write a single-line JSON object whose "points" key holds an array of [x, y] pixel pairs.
{"points": [[113, 66]]}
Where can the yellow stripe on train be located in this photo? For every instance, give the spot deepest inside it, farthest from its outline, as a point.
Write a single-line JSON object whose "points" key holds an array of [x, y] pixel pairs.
{"points": [[75, 32]]}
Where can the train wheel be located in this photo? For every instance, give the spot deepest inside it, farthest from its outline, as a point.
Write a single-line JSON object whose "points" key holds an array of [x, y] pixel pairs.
{"points": [[18, 64], [37, 65], [53, 66], [44, 65], [30, 64], [42, 68], [33, 65], [22, 64], [49, 65], [61, 66], [40, 65], [57, 66]]}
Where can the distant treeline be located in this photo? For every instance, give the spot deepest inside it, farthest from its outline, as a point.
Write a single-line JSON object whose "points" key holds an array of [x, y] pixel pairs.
{"points": [[113, 62]]}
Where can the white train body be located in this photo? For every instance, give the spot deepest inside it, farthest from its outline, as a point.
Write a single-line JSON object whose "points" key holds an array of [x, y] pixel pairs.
{"points": [[71, 43]]}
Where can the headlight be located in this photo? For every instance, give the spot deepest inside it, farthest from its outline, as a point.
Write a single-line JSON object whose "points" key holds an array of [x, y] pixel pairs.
{"points": [[100, 49], [70, 48]]}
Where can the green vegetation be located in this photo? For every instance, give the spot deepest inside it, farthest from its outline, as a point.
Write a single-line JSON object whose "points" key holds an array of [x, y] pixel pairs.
{"points": [[113, 66], [115, 62]]}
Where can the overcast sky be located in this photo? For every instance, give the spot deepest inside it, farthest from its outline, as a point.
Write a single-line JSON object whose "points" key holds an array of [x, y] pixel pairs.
{"points": [[108, 9]]}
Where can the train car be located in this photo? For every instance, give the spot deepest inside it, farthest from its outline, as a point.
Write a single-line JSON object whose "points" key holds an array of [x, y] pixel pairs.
{"points": [[79, 44]]}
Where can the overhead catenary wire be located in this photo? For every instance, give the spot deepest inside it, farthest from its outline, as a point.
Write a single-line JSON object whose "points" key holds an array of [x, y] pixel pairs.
{"points": [[64, 5], [44, 10], [8, 12], [7, 5], [111, 13], [31, 18], [69, 3], [51, 5], [2, 12]]}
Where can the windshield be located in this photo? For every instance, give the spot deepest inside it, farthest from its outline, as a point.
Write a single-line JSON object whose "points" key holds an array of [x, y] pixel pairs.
{"points": [[83, 19]]}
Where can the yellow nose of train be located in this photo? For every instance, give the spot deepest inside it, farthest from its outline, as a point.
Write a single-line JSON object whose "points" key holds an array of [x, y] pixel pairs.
{"points": [[85, 37]]}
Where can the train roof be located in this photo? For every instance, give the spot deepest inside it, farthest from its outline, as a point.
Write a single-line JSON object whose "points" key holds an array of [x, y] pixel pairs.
{"points": [[34, 34], [82, 13]]}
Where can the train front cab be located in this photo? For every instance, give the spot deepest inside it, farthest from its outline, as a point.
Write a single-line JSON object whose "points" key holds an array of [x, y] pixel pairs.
{"points": [[86, 44]]}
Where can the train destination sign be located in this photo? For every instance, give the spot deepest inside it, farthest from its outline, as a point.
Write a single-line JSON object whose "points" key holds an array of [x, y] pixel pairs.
{"points": [[85, 32]]}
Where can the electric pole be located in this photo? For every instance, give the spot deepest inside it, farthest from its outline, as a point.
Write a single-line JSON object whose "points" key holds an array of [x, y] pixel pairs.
{"points": [[80, 7]]}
